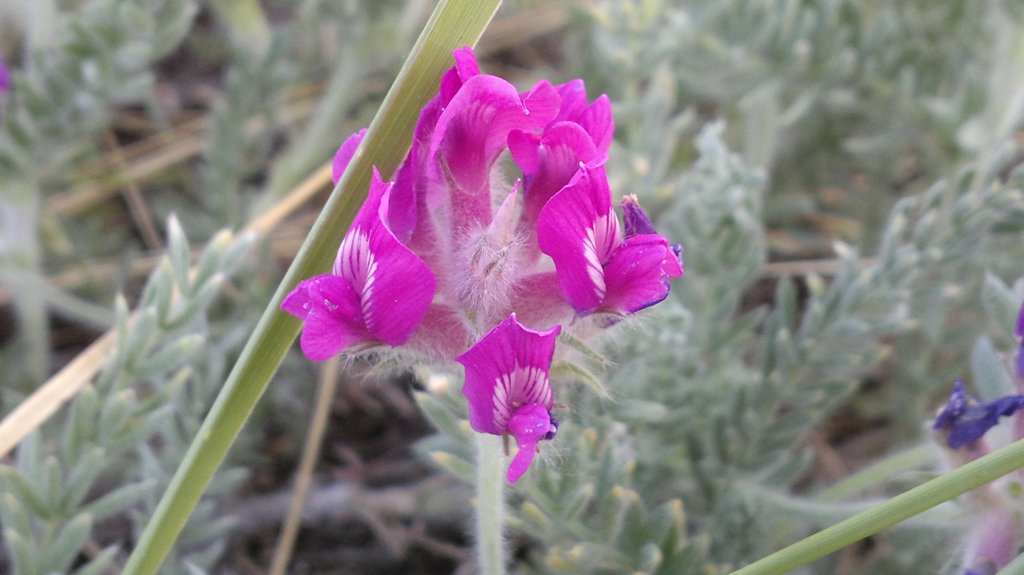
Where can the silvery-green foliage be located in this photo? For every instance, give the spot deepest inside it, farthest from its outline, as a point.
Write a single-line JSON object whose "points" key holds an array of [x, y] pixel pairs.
{"points": [[243, 122], [833, 93], [102, 54], [358, 30], [589, 516], [733, 407], [123, 434], [580, 511]]}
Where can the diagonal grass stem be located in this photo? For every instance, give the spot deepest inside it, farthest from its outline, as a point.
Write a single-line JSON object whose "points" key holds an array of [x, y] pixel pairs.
{"points": [[904, 506]]}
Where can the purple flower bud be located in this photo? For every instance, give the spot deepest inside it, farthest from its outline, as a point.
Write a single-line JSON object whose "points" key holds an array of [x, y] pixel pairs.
{"points": [[965, 420]]}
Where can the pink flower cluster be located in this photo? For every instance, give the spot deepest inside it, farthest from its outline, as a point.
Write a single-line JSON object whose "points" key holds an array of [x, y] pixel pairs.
{"points": [[449, 261]]}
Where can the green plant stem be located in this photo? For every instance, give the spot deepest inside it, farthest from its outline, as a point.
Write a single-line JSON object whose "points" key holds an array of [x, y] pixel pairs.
{"points": [[919, 499], [490, 504], [454, 23]]}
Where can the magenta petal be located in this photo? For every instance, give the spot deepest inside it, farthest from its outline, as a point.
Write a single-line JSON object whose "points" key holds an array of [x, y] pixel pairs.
{"points": [[472, 131], [297, 301], [574, 100], [507, 368], [579, 231], [636, 222], [521, 462], [529, 424], [598, 122], [344, 154], [403, 209], [549, 162], [465, 63], [330, 307], [542, 103], [395, 286], [638, 273]]}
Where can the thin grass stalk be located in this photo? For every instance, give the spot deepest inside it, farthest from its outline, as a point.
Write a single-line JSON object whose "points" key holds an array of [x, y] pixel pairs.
{"points": [[900, 508], [454, 23], [304, 476]]}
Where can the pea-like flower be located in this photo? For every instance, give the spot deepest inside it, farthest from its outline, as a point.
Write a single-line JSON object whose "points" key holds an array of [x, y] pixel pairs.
{"points": [[965, 420], [599, 268], [377, 293], [453, 249], [508, 388]]}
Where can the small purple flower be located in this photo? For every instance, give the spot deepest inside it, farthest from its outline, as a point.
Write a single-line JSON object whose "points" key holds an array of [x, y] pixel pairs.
{"points": [[508, 389], [965, 420], [378, 292], [598, 268], [5, 77]]}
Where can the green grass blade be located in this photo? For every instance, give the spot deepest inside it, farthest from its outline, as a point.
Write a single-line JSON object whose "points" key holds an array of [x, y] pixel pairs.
{"points": [[904, 506]]}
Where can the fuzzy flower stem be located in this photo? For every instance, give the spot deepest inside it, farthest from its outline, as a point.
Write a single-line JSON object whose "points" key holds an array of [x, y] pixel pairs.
{"points": [[454, 23], [904, 506], [490, 504]]}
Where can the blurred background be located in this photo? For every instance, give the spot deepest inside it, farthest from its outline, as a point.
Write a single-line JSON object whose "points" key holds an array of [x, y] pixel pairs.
{"points": [[844, 176]]}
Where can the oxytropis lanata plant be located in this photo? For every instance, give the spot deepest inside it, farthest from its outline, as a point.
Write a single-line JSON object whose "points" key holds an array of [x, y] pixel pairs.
{"points": [[451, 261], [961, 425]]}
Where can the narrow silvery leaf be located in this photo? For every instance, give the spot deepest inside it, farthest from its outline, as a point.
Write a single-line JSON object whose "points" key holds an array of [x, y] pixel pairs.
{"points": [[213, 258], [53, 483], [989, 372], [143, 333], [24, 492], [80, 422], [440, 415], [23, 557], [173, 355], [67, 545], [188, 309], [81, 478], [98, 564], [178, 254], [1001, 305]]}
